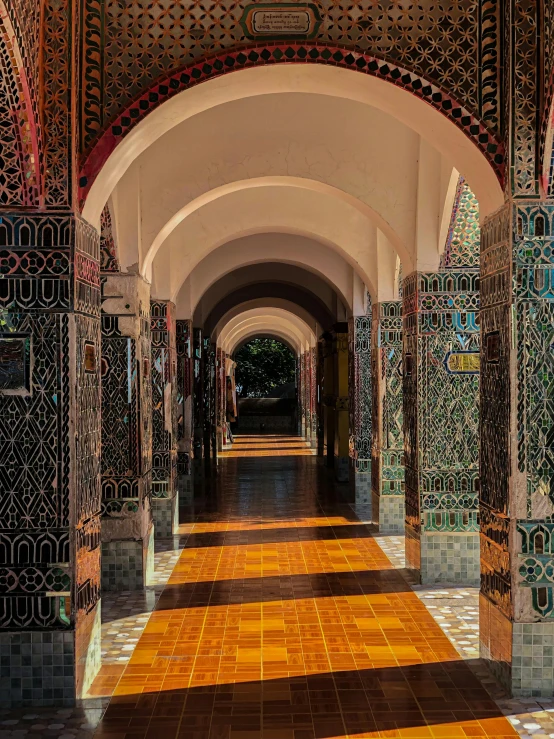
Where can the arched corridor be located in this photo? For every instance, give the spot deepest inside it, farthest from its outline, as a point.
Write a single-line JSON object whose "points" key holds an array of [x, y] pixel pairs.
{"points": [[368, 186], [283, 617]]}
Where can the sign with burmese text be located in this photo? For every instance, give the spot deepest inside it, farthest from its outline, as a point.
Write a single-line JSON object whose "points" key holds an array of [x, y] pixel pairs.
{"points": [[280, 21]]}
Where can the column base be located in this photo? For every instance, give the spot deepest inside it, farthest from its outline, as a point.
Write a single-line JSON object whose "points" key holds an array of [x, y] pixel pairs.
{"points": [[362, 487], [389, 513], [165, 514], [450, 557], [129, 564], [520, 655], [50, 668]]}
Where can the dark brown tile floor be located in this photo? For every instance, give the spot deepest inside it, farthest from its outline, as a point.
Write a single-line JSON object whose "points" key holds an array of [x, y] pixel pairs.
{"points": [[283, 619]]}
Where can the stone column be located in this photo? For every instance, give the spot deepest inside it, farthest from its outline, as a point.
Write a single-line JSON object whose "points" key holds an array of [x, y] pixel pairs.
{"points": [[184, 407], [49, 458], [517, 446], [300, 394], [359, 340], [221, 400], [441, 421], [198, 402], [313, 397], [165, 510], [328, 402], [387, 466], [320, 407], [340, 397], [127, 531]]}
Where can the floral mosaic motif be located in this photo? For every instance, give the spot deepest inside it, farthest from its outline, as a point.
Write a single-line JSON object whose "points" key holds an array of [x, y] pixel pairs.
{"points": [[462, 246], [215, 66]]}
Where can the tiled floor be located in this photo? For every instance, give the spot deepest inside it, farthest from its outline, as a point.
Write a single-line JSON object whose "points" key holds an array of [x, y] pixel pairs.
{"points": [[285, 618]]}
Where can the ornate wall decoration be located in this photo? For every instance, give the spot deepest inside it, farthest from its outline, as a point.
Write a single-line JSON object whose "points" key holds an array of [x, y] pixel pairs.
{"points": [[20, 180], [130, 47], [441, 406], [57, 61], [275, 53], [126, 459], [163, 368], [359, 330], [108, 251], [522, 80], [184, 395], [462, 246], [55, 304], [389, 443]]}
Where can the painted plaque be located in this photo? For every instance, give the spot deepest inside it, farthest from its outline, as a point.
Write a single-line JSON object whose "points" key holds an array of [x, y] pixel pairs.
{"points": [[280, 21], [463, 363]]}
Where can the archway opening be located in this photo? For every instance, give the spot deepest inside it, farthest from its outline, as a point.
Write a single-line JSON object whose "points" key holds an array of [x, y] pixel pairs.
{"points": [[265, 377]]}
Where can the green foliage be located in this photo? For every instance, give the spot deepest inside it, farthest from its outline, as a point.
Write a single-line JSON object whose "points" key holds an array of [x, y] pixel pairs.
{"points": [[263, 365]]}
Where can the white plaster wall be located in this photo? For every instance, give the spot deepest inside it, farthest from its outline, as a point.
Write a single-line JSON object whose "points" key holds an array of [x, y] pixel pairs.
{"points": [[274, 207], [302, 80], [287, 249]]}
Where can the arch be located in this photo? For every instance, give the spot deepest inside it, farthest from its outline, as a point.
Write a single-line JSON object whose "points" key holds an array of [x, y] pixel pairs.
{"points": [[21, 186], [294, 251], [409, 97], [271, 335], [265, 319], [277, 206], [278, 184], [268, 294], [270, 304], [261, 328]]}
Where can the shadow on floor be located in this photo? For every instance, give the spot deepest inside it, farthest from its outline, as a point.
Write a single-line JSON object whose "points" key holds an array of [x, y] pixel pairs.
{"points": [[355, 703]]}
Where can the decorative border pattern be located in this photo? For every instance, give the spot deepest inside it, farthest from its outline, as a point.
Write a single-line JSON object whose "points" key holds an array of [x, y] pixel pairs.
{"points": [[279, 53]]}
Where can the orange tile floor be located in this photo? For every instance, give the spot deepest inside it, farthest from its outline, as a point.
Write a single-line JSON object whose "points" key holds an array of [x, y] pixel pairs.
{"points": [[283, 619]]}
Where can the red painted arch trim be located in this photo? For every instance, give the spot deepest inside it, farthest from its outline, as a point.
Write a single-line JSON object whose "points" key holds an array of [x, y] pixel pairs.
{"points": [[279, 53]]}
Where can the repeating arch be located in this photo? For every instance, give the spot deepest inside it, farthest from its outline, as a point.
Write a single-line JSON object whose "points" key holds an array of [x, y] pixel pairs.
{"points": [[138, 114]]}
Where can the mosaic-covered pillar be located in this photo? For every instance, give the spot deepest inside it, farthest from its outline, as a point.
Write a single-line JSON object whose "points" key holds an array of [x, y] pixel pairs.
{"points": [[305, 395], [313, 398], [49, 458], [221, 391], [198, 401], [210, 403], [328, 400], [387, 466], [360, 404], [341, 460], [165, 511], [517, 446], [441, 422], [299, 395], [183, 340], [127, 531], [321, 397]]}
